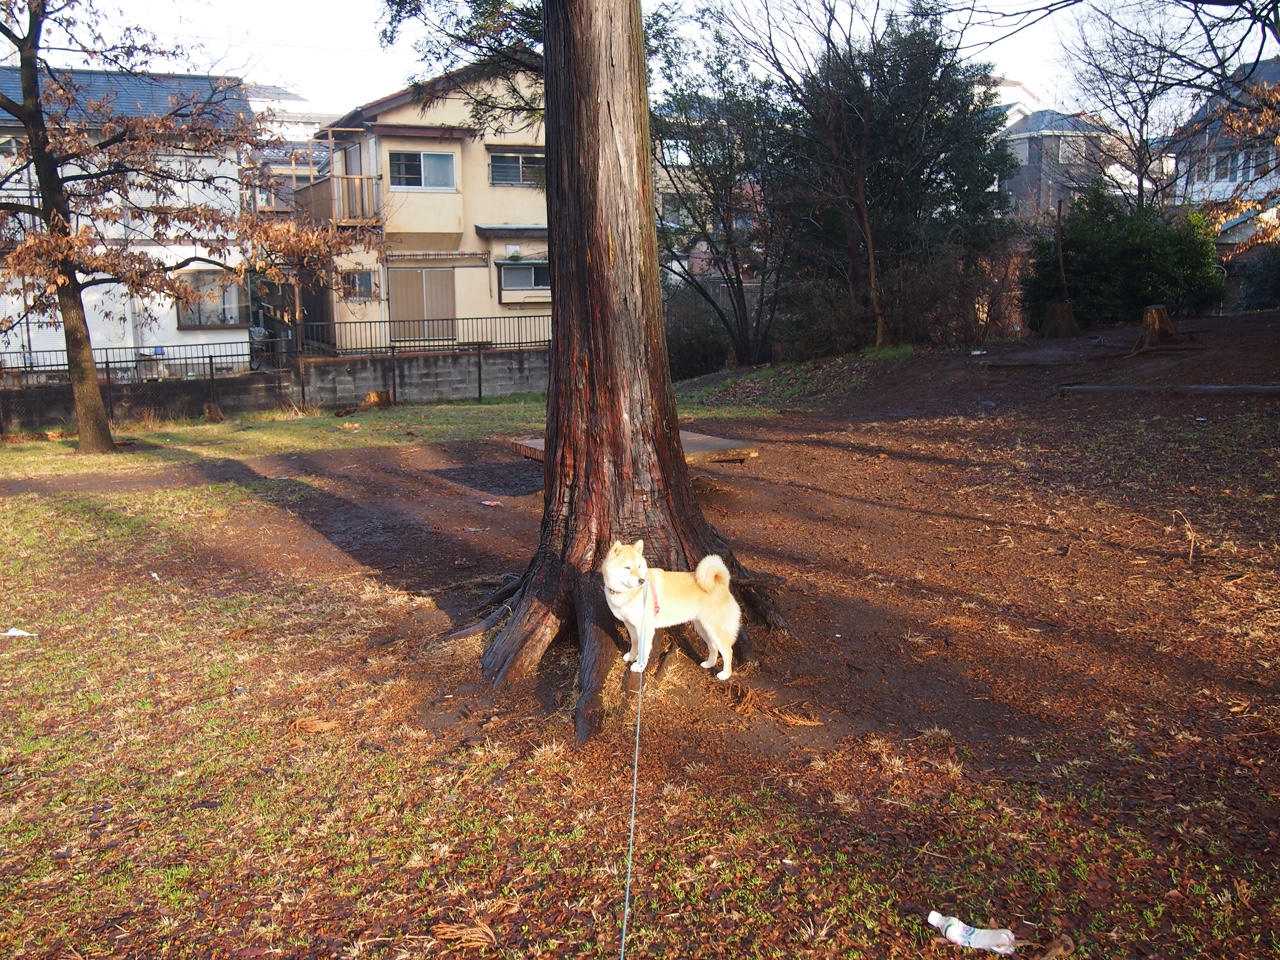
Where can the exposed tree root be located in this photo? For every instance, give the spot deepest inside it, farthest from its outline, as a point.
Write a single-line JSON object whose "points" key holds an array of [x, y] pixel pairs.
{"points": [[533, 622], [479, 626]]}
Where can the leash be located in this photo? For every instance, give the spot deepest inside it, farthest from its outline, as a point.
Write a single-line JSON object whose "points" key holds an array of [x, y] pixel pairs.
{"points": [[635, 777]]}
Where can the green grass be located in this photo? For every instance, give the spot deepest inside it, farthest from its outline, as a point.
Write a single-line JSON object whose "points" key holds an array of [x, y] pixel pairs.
{"points": [[154, 446], [157, 797]]}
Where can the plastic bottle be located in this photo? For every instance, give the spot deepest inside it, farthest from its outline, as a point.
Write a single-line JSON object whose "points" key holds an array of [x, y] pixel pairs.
{"points": [[997, 941]]}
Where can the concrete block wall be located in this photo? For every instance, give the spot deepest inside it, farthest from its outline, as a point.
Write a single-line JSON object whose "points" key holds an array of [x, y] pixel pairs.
{"points": [[330, 383], [425, 377]]}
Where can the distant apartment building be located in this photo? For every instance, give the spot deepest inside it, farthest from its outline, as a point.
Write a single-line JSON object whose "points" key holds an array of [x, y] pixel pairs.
{"points": [[461, 218]]}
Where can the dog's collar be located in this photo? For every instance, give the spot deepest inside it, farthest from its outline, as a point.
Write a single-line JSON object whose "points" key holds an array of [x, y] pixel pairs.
{"points": [[616, 593]]}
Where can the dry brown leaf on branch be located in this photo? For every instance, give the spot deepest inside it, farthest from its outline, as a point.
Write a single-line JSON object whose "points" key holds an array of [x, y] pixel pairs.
{"points": [[477, 935], [313, 725]]}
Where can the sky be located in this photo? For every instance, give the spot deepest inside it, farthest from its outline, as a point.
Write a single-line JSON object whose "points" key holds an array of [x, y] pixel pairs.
{"points": [[325, 51], [328, 52]]}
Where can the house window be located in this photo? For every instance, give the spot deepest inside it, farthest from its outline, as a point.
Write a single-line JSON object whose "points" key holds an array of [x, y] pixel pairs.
{"points": [[431, 171], [1261, 163], [1071, 150], [673, 211], [1202, 167], [1225, 167], [219, 302], [517, 170], [526, 276], [359, 285]]}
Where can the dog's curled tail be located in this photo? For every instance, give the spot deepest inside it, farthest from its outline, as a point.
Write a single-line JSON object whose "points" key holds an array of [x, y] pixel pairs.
{"points": [[711, 571]]}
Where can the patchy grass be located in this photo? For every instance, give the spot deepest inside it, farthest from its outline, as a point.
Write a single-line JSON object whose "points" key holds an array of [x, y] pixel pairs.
{"points": [[780, 386], [155, 445], [200, 762]]}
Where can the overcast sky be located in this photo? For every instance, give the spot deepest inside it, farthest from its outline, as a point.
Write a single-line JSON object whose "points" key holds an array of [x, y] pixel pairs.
{"points": [[328, 51]]}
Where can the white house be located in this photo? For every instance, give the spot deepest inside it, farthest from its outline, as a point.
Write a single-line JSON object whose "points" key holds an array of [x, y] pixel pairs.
{"points": [[122, 326]]}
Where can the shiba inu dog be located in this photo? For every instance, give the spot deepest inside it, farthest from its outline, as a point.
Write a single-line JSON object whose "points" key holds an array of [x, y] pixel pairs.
{"points": [[645, 598]]}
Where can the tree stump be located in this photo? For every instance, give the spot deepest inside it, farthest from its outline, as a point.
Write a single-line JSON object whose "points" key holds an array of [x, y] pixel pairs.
{"points": [[1157, 328], [1059, 321], [213, 413]]}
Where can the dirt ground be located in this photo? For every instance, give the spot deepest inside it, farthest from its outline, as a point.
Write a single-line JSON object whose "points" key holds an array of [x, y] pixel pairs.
{"points": [[963, 547]]}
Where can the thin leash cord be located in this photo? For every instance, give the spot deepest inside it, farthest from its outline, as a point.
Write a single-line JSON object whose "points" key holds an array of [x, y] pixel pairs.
{"points": [[635, 779]]}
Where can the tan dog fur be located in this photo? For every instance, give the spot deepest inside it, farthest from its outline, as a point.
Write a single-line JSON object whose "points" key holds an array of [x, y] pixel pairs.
{"points": [[645, 598]]}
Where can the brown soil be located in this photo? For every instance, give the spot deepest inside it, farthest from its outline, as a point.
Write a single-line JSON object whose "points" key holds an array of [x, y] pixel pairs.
{"points": [[962, 547]]}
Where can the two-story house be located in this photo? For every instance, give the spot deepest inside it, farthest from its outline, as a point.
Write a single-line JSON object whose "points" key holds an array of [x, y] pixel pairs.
{"points": [[150, 330], [1216, 165], [1057, 154], [461, 216]]}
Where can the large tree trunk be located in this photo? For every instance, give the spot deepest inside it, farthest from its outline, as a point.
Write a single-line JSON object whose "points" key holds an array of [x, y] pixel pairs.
{"points": [[614, 465], [93, 427]]}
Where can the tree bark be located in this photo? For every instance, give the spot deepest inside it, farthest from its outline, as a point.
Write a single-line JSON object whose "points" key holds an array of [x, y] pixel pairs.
{"points": [[614, 467], [93, 427]]}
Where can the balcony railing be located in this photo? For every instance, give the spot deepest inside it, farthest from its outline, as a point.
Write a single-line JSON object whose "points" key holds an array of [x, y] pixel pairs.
{"points": [[342, 199]]}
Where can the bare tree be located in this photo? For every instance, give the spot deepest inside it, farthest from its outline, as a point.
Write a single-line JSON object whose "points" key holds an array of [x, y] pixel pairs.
{"points": [[720, 138], [103, 193], [1126, 75]]}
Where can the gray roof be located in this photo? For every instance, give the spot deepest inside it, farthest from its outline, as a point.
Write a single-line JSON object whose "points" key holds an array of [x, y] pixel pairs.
{"points": [[137, 95], [1054, 123], [1206, 122]]}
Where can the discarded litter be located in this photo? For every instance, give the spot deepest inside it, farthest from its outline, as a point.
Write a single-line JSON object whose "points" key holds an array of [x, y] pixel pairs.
{"points": [[977, 353], [997, 941], [491, 503], [15, 632]]}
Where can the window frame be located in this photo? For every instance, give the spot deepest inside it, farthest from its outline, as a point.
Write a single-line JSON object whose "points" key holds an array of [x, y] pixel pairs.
{"points": [[201, 308], [534, 266], [422, 169], [357, 292], [526, 163]]}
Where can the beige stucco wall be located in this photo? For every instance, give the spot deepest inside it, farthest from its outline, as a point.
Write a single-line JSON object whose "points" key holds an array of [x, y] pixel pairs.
{"points": [[441, 221]]}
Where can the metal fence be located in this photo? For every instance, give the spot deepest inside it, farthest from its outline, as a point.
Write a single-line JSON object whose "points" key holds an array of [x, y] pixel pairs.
{"points": [[389, 337], [139, 364], [121, 365]]}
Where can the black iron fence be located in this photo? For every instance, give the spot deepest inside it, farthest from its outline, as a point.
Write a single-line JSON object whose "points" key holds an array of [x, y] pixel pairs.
{"points": [[389, 337], [169, 381], [139, 364], [125, 365]]}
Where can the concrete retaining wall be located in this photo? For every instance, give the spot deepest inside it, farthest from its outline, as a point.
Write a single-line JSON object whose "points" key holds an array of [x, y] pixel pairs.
{"points": [[329, 383], [425, 377]]}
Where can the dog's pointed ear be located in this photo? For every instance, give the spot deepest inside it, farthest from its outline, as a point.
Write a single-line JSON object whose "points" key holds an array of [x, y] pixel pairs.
{"points": [[639, 546], [617, 545]]}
